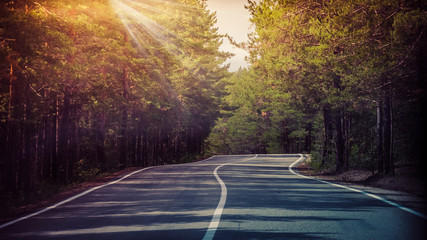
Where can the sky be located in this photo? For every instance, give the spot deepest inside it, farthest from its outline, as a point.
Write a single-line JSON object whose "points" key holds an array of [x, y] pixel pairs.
{"points": [[232, 18]]}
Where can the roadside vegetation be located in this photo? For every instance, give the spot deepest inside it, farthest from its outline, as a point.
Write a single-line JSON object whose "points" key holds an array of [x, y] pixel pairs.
{"points": [[93, 86], [342, 80]]}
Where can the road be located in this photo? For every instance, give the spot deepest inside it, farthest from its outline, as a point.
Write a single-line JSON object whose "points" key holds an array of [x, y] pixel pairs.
{"points": [[259, 199]]}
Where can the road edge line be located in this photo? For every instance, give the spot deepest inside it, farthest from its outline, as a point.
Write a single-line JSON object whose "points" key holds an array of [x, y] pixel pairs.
{"points": [[216, 218], [356, 190], [71, 199]]}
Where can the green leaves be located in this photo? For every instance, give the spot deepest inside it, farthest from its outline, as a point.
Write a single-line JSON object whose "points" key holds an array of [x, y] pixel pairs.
{"points": [[321, 64], [110, 88], [253, 114]]}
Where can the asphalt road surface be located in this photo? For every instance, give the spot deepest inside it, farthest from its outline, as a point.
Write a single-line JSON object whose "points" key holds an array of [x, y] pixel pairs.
{"points": [[224, 197]]}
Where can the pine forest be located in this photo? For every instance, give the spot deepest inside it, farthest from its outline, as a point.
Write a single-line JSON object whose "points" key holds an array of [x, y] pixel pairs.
{"points": [[89, 87]]}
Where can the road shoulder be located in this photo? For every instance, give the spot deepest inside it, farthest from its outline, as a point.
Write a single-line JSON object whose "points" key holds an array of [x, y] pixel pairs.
{"points": [[403, 198], [62, 195]]}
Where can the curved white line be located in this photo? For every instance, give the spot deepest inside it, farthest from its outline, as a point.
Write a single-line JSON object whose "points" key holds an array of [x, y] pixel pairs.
{"points": [[357, 190], [71, 199], [216, 218]]}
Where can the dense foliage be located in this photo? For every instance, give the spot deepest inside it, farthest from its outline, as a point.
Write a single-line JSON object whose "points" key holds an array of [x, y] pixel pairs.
{"points": [[89, 86], [343, 80]]}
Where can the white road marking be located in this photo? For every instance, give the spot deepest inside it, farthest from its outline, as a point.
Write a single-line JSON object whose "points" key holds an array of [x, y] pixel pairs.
{"points": [[357, 190], [70, 199], [216, 218], [257, 165]]}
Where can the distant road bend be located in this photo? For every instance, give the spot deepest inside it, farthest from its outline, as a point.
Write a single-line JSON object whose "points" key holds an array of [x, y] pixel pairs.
{"points": [[224, 197]]}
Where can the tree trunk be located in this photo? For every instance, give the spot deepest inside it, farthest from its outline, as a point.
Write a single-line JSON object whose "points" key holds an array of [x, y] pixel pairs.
{"points": [[145, 147], [139, 143], [326, 133], [45, 165], [123, 132], [100, 147], [388, 151], [308, 138], [380, 137], [54, 139], [157, 147], [286, 147], [11, 148], [372, 141], [11, 93], [347, 147], [422, 78], [28, 144], [64, 137], [74, 146], [339, 143], [178, 141]]}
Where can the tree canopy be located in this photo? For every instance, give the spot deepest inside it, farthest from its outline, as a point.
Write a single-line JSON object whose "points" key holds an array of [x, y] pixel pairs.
{"points": [[93, 86], [343, 80]]}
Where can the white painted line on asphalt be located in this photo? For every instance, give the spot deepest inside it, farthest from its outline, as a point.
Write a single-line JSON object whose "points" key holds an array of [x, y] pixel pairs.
{"points": [[356, 190], [258, 165], [216, 218], [204, 160], [70, 199]]}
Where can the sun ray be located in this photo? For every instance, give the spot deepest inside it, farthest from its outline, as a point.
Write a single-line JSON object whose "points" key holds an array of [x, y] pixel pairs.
{"points": [[139, 4], [167, 2], [139, 23], [134, 17]]}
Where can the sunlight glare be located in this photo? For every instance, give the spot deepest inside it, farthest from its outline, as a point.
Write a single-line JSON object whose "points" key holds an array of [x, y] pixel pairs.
{"points": [[137, 24], [136, 19]]}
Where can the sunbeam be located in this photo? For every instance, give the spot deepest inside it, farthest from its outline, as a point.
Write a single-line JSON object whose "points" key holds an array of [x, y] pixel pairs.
{"points": [[138, 24], [137, 18]]}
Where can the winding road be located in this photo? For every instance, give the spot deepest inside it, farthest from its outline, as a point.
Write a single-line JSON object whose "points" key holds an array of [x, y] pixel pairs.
{"points": [[224, 197]]}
